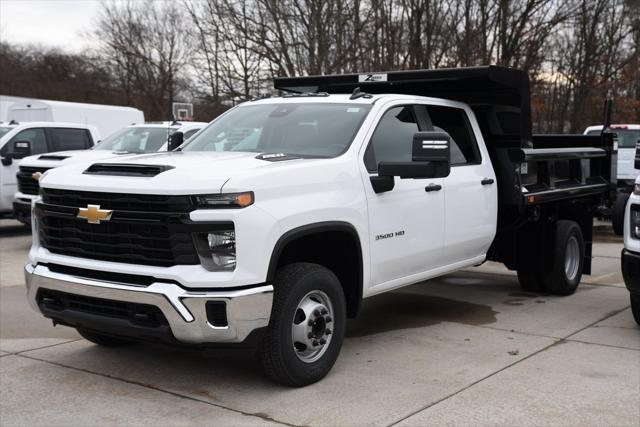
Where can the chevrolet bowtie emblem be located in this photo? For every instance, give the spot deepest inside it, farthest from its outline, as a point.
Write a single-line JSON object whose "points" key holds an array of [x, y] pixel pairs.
{"points": [[93, 214], [36, 175]]}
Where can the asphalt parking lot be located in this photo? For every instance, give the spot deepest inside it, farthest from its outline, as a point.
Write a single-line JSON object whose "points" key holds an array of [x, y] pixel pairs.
{"points": [[468, 348]]}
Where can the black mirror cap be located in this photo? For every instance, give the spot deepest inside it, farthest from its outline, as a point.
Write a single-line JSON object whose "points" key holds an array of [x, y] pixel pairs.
{"points": [[382, 184], [415, 170], [175, 140], [21, 149], [6, 161], [431, 147]]}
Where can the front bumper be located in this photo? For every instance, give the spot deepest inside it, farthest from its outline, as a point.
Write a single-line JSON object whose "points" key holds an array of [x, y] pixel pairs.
{"points": [[22, 208], [247, 309], [631, 270]]}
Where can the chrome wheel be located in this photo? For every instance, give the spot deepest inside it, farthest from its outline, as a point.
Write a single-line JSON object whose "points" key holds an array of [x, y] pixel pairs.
{"points": [[311, 329], [572, 258]]}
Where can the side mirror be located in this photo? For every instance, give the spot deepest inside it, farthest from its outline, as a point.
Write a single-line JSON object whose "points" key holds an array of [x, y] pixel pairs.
{"points": [[430, 155], [175, 140], [636, 163], [7, 160], [21, 149]]}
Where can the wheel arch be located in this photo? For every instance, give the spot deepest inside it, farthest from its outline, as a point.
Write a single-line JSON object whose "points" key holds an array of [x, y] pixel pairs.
{"points": [[305, 243]]}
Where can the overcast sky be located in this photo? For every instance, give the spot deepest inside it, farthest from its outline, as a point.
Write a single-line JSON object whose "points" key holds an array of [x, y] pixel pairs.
{"points": [[51, 23]]}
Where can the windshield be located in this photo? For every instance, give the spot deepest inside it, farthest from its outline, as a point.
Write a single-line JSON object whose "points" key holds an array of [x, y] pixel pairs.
{"points": [[299, 129], [627, 138], [135, 140], [3, 130]]}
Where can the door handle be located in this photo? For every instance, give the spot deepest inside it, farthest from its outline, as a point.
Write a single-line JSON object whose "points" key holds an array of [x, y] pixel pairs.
{"points": [[432, 187], [486, 181]]}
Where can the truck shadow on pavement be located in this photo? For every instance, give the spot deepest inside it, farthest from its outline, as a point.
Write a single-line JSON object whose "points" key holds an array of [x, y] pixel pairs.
{"points": [[396, 311], [14, 230]]}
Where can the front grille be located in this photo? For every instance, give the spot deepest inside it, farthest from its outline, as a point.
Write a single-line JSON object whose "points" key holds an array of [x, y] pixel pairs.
{"points": [[139, 314], [119, 241], [26, 183], [117, 201], [143, 229]]}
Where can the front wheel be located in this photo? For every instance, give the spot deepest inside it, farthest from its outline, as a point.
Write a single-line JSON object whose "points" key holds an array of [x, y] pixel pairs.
{"points": [[568, 259], [307, 325], [635, 307], [617, 214]]}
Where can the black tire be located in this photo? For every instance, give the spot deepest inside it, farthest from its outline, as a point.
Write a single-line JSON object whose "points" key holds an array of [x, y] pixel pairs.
{"points": [[531, 282], [635, 307], [278, 357], [100, 339], [558, 281], [617, 215]]}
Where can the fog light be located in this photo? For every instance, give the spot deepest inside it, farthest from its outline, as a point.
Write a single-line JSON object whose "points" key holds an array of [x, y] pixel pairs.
{"points": [[217, 250]]}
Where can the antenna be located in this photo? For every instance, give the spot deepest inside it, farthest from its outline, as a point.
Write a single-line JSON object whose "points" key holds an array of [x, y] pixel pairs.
{"points": [[608, 107]]}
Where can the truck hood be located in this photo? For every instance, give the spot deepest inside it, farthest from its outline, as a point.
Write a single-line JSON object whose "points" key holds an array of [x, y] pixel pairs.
{"points": [[63, 158], [183, 173]]}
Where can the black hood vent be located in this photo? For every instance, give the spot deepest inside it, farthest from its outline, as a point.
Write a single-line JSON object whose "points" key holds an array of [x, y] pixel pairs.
{"points": [[52, 157], [126, 169]]}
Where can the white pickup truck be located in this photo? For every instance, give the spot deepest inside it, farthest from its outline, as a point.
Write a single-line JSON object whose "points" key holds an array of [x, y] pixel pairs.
{"points": [[130, 140], [630, 259], [270, 226], [627, 136], [18, 140]]}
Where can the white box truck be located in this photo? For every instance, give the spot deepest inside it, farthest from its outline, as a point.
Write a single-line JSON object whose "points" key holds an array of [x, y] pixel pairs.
{"points": [[107, 118]]}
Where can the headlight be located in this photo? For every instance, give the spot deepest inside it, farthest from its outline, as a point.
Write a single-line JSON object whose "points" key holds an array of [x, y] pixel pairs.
{"points": [[635, 221], [229, 200], [636, 189], [217, 250]]}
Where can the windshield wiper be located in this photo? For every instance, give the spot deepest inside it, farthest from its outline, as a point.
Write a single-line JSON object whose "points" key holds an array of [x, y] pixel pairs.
{"points": [[118, 152], [276, 157]]}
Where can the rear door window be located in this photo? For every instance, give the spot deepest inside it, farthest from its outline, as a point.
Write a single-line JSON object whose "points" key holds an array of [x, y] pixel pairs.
{"points": [[454, 121], [64, 139], [188, 134]]}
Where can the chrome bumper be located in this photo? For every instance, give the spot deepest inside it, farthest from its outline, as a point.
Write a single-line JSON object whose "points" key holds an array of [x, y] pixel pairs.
{"points": [[247, 309]]}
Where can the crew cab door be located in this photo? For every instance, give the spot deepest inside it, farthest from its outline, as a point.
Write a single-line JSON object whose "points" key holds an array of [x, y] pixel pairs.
{"points": [[406, 224], [471, 205]]}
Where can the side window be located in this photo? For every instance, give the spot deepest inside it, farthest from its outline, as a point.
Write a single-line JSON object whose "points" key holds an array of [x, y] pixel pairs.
{"points": [[70, 139], [35, 136], [188, 134], [454, 121], [393, 138]]}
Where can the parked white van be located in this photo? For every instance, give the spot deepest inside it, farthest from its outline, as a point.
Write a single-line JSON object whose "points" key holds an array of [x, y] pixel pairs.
{"points": [[107, 118], [130, 140], [19, 140]]}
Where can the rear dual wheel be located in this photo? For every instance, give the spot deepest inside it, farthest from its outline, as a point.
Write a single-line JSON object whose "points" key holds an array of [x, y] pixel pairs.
{"points": [[567, 263]]}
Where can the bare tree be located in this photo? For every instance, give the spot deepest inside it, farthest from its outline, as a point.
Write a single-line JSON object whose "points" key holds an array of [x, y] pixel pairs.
{"points": [[147, 48]]}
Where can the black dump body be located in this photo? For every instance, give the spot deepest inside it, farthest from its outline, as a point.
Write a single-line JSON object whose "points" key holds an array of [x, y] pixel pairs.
{"points": [[539, 176], [531, 169]]}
